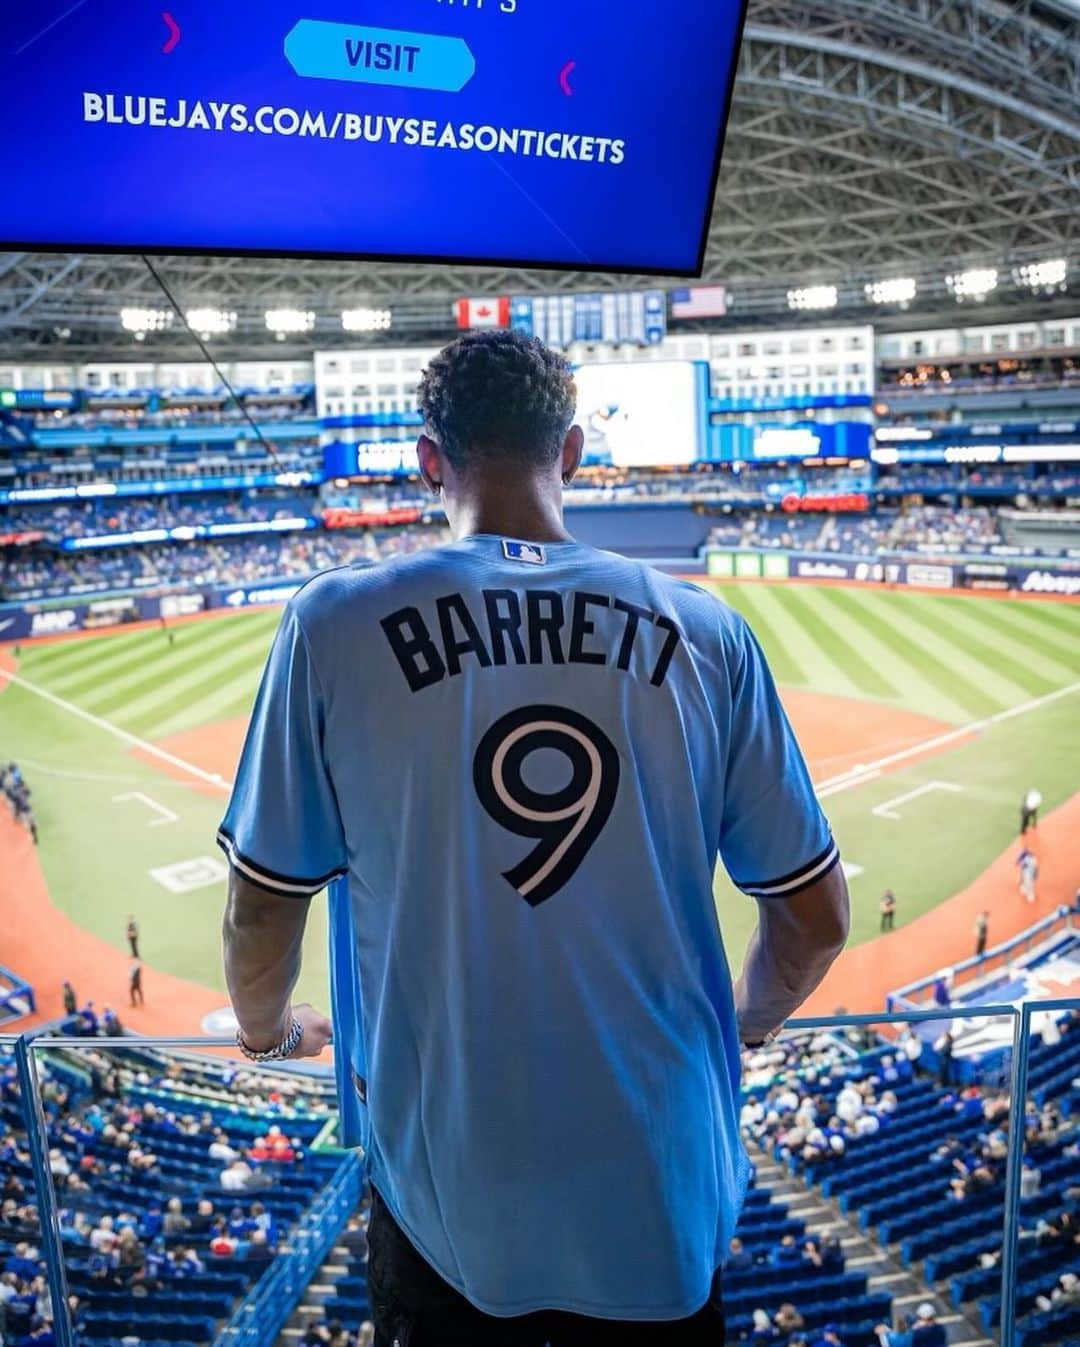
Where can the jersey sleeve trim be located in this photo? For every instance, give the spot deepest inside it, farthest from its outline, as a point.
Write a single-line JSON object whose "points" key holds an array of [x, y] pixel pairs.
{"points": [[788, 885], [270, 879]]}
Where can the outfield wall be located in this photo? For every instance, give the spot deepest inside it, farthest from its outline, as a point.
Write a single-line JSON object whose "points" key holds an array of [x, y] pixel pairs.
{"points": [[1022, 577], [58, 617]]}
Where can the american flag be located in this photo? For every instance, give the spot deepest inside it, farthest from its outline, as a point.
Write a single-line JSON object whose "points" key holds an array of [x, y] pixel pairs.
{"points": [[701, 301]]}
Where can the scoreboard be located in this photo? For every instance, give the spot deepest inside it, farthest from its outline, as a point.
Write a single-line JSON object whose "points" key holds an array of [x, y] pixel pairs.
{"points": [[637, 318]]}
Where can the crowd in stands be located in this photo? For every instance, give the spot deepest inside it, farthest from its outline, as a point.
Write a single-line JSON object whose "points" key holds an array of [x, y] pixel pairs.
{"points": [[925, 529], [975, 375], [914, 479], [16, 791], [908, 1149], [95, 517], [102, 466], [105, 414], [233, 562], [177, 1183]]}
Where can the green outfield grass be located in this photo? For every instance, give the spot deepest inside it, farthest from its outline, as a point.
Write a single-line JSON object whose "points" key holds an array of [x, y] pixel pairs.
{"points": [[958, 660]]}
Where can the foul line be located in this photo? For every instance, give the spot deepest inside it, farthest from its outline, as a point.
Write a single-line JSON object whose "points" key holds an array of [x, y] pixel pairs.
{"points": [[858, 776], [218, 782]]}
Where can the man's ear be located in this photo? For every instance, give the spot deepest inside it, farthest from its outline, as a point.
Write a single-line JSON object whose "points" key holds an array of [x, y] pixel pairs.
{"points": [[428, 457], [573, 448]]}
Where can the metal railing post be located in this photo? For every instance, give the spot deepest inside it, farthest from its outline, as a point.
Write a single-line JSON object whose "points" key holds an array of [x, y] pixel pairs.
{"points": [[37, 1138], [1010, 1235]]}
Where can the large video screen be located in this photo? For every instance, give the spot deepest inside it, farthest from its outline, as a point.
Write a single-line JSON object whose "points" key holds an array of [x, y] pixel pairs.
{"points": [[520, 131], [642, 413]]}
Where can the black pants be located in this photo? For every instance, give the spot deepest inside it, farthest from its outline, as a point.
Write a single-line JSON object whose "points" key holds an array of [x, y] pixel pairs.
{"points": [[887, 919], [413, 1307]]}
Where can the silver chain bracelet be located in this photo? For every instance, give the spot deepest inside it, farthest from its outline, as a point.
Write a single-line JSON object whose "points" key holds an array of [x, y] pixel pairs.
{"points": [[284, 1049]]}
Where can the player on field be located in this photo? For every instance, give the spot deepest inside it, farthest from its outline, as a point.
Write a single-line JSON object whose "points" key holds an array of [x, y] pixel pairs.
{"points": [[1029, 810], [1027, 863], [518, 759]]}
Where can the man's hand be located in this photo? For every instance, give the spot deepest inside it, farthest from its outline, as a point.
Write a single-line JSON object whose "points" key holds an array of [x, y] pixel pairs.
{"points": [[318, 1031]]}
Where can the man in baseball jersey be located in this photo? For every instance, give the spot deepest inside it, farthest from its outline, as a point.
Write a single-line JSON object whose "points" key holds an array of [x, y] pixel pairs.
{"points": [[515, 759]]}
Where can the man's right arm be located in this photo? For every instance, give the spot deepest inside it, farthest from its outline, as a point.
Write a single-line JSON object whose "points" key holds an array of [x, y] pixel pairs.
{"points": [[795, 944]]}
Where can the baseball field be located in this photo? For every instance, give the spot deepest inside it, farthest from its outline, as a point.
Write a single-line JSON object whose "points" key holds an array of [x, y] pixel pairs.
{"points": [[924, 717]]}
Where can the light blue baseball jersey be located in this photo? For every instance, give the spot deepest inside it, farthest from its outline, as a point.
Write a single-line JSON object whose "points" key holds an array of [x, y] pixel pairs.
{"points": [[518, 763]]}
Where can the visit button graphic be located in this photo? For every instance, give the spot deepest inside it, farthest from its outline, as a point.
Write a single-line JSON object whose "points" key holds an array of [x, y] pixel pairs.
{"points": [[343, 51]]}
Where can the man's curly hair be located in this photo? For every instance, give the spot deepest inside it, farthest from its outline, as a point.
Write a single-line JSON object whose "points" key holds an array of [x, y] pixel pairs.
{"points": [[498, 396]]}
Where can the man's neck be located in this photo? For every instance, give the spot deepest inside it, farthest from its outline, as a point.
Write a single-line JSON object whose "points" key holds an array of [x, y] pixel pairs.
{"points": [[534, 519]]}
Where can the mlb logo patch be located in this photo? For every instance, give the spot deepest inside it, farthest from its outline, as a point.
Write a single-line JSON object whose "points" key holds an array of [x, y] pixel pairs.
{"points": [[531, 553]]}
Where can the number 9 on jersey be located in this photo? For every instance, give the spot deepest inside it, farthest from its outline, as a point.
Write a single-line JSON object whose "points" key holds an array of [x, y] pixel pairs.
{"points": [[565, 822]]}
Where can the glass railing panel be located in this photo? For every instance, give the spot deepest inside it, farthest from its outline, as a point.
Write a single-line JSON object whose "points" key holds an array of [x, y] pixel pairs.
{"points": [[197, 1196], [900, 1161]]}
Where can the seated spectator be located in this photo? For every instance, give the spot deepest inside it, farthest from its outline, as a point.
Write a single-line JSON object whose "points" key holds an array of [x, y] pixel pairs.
{"points": [[787, 1253], [203, 1218], [830, 1337], [174, 1221], [259, 1249], [1065, 1295], [223, 1245], [762, 1330], [22, 1262], [788, 1319], [220, 1149], [739, 1258], [237, 1177], [922, 1331], [186, 1263]]}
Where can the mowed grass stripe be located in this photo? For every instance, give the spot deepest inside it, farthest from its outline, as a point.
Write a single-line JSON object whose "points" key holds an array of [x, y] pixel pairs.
{"points": [[233, 697], [39, 662], [917, 691], [843, 652], [1058, 617], [1030, 653], [773, 640], [1022, 620], [929, 630], [784, 667], [102, 679], [807, 639], [904, 639], [992, 662], [160, 698], [120, 684], [74, 653]]}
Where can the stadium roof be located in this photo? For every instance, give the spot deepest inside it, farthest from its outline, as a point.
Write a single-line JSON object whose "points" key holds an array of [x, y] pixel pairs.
{"points": [[869, 139]]}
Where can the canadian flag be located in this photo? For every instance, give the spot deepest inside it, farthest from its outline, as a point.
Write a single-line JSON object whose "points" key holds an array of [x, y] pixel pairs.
{"points": [[483, 312]]}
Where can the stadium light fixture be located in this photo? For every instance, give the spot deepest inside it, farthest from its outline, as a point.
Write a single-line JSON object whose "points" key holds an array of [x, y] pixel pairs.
{"points": [[289, 322], [209, 322], [898, 290], [813, 297], [975, 284], [366, 320], [1048, 275], [141, 321]]}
